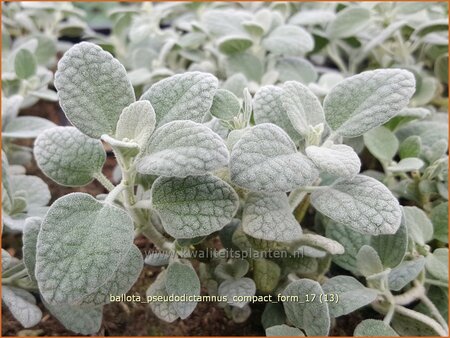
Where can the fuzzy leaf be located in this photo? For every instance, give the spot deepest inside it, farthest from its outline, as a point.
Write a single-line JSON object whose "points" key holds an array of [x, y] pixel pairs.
{"points": [[288, 40], [381, 143], [374, 328], [30, 235], [193, 206], [157, 259], [22, 305], [312, 317], [25, 64], [234, 270], [419, 226], [407, 164], [348, 22], [391, 248], [302, 107], [6, 259], [266, 275], [439, 217], [337, 159], [241, 287], [24, 127], [437, 264], [404, 273], [410, 147], [234, 44], [368, 261], [69, 157], [93, 89], [266, 159], [268, 108], [162, 309], [225, 105], [283, 330], [136, 122], [367, 100], [82, 320], [269, 217], [80, 245], [323, 243], [363, 204], [187, 96], [182, 280], [352, 295], [183, 148], [293, 68]]}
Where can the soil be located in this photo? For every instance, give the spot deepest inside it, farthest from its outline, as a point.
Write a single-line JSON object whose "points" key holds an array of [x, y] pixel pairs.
{"points": [[136, 319]]}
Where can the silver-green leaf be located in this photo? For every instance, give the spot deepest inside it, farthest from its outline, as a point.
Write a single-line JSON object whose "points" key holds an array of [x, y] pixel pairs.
{"points": [[136, 123]]}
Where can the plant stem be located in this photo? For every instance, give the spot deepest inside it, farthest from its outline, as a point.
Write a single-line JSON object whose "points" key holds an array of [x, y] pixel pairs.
{"points": [[410, 296], [156, 237], [434, 311], [104, 181], [14, 277], [422, 318], [13, 270], [436, 282], [114, 194]]}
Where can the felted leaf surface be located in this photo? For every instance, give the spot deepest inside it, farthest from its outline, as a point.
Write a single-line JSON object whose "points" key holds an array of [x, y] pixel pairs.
{"points": [[193, 206], [439, 217], [348, 22], [187, 96], [302, 106], [368, 261], [157, 259], [268, 216], [420, 228], [183, 148], [234, 44], [225, 105], [82, 320], [23, 127], [93, 89], [241, 287], [437, 264], [312, 317], [234, 270], [367, 100], [372, 328], [352, 295], [283, 330], [363, 204], [337, 159], [29, 238], [268, 108], [321, 242], [404, 273], [6, 259], [121, 281], [25, 64], [136, 122], [34, 189], [182, 280], [69, 157], [80, 245], [22, 305], [266, 159], [293, 68], [266, 275], [162, 309], [288, 40]]}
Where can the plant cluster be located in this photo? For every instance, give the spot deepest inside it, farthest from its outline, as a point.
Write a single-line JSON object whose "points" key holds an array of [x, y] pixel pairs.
{"points": [[319, 130]]}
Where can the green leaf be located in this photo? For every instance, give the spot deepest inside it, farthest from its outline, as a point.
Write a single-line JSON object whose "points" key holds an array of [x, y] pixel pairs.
{"points": [[266, 159], [157, 259], [6, 259], [363, 204], [410, 147], [234, 288], [368, 261], [323, 243], [349, 22], [381, 143], [352, 295], [268, 107], [164, 310], [374, 328], [187, 96], [234, 44], [247, 64], [283, 330], [183, 148], [22, 305], [405, 273], [293, 68], [93, 89], [352, 242], [81, 243], [136, 123], [312, 17], [30, 235], [420, 228], [407, 326], [234, 270], [120, 282], [193, 206], [33, 188], [407, 164], [24, 127], [225, 105], [182, 280], [367, 100], [288, 40], [312, 317], [441, 68], [336, 159], [391, 248], [266, 275], [439, 217], [69, 157], [25, 64], [302, 107], [273, 315], [269, 217], [218, 22], [437, 264], [82, 320]]}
